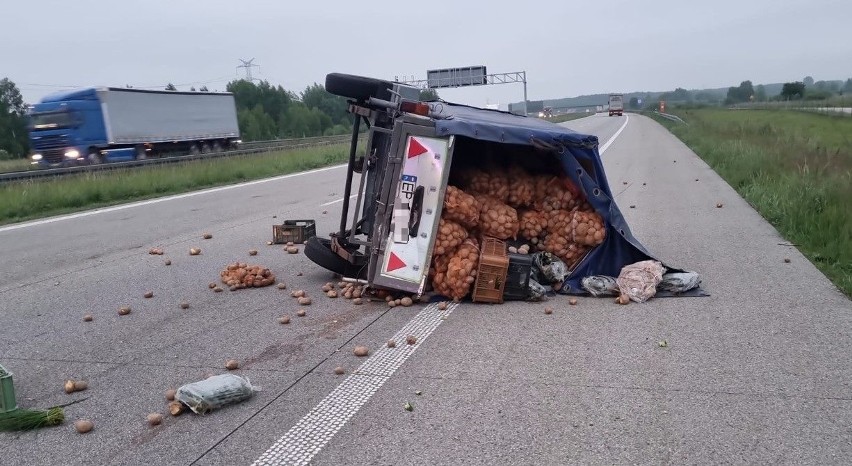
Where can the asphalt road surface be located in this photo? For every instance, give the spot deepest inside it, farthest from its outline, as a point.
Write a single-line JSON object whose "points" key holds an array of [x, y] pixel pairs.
{"points": [[758, 372]]}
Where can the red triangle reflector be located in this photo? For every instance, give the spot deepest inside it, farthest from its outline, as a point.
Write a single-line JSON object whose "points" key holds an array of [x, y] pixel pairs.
{"points": [[395, 263], [415, 148]]}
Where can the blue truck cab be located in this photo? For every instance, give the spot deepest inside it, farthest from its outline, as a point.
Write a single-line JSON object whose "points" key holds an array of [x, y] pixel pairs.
{"points": [[67, 128]]}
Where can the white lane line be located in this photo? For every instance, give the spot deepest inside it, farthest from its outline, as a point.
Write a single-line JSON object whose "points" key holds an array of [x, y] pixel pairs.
{"points": [[158, 200], [612, 139], [339, 200], [305, 439]]}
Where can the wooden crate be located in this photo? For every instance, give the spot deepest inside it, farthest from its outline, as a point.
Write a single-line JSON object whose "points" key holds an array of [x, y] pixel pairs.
{"points": [[297, 231], [491, 274]]}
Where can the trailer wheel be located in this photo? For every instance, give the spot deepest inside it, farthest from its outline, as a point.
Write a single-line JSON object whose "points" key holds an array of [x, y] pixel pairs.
{"points": [[140, 152], [217, 147], [356, 87], [193, 149], [205, 148], [319, 251], [95, 156]]}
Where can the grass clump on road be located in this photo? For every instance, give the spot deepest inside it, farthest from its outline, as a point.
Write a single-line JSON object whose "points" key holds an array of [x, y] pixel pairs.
{"points": [[794, 168], [26, 200]]}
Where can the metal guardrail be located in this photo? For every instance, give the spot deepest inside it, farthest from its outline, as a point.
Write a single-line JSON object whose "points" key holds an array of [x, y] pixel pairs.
{"points": [[255, 147], [284, 143], [671, 117]]}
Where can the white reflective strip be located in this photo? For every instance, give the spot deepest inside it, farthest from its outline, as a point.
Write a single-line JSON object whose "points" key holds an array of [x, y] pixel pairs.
{"points": [[305, 439]]}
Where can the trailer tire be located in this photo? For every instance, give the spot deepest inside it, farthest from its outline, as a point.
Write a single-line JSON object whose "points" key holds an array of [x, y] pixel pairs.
{"points": [[357, 87], [319, 251], [193, 149], [140, 152], [217, 147], [95, 156], [205, 148]]}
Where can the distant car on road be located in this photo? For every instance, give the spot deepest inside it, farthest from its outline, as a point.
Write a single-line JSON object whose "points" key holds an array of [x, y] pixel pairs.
{"points": [[616, 104]]}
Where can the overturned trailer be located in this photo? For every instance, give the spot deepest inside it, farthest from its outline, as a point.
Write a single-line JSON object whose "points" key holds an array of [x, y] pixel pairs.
{"points": [[532, 184]]}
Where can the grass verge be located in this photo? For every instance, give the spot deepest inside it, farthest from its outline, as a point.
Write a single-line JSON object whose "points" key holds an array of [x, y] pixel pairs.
{"points": [[27, 200], [15, 165], [794, 168]]}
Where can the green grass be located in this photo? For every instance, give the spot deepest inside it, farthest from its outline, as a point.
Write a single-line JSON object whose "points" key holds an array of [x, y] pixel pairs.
{"points": [[39, 198], [15, 165], [794, 168]]}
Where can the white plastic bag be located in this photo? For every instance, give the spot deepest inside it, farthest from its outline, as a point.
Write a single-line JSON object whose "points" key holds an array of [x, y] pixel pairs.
{"points": [[551, 268], [215, 392], [639, 281], [536, 291], [600, 285], [677, 282]]}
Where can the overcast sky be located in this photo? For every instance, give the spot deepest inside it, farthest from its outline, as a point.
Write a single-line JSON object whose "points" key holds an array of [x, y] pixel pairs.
{"points": [[567, 48]]}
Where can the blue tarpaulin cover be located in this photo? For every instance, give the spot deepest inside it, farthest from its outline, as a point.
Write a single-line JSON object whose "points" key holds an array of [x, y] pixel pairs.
{"points": [[575, 151]]}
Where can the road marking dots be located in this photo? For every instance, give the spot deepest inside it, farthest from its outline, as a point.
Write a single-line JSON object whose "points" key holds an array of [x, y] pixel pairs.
{"points": [[305, 439]]}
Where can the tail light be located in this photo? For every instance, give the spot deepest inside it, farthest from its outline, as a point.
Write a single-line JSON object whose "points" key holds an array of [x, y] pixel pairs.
{"points": [[418, 108]]}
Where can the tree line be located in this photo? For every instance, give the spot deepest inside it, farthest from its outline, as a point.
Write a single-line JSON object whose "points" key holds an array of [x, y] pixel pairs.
{"points": [[14, 139], [806, 89], [267, 112]]}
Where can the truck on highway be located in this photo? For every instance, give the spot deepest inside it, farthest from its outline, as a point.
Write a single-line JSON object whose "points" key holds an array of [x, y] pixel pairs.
{"points": [[616, 104], [415, 151], [97, 125]]}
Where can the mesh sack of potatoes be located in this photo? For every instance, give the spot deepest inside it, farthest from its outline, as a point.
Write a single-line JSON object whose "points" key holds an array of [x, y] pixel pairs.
{"points": [[439, 265], [562, 247], [574, 254], [240, 275], [497, 219], [555, 193], [639, 281], [559, 223], [532, 224], [587, 229], [522, 187], [584, 206], [556, 244], [461, 271], [450, 235], [494, 184], [460, 207]]}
